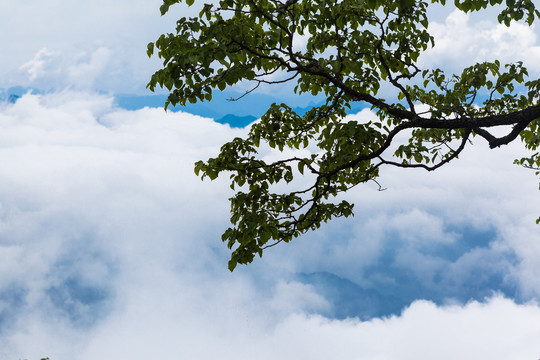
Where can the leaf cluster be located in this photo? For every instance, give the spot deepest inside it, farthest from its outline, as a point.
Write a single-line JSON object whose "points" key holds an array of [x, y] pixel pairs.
{"points": [[345, 50]]}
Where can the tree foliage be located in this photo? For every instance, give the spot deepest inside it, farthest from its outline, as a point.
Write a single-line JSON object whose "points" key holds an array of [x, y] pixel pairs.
{"points": [[345, 50]]}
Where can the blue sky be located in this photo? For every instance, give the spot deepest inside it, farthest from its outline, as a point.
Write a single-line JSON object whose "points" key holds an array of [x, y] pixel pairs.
{"points": [[110, 246]]}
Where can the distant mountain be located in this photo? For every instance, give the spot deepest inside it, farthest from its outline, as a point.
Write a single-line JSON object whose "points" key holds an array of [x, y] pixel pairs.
{"points": [[225, 107], [13, 98], [19, 91], [236, 121], [222, 104], [12, 94]]}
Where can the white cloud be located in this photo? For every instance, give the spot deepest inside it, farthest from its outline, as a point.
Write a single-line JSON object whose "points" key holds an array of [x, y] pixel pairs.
{"points": [[71, 28], [105, 200], [94, 68], [461, 42], [36, 67], [496, 329], [97, 201], [85, 73]]}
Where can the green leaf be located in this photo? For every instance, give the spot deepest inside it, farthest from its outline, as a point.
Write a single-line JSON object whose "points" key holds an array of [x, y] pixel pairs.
{"points": [[150, 49], [353, 49], [301, 166]]}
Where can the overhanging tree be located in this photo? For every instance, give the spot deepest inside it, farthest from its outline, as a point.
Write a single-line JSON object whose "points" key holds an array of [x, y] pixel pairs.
{"points": [[345, 50]]}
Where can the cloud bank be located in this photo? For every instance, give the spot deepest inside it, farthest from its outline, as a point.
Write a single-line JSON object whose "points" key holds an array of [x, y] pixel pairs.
{"points": [[102, 45], [464, 39], [110, 248]]}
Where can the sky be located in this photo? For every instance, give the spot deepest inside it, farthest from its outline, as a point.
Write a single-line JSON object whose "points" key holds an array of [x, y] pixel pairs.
{"points": [[110, 245]]}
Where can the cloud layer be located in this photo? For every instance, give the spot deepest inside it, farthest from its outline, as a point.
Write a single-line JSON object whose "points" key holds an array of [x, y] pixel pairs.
{"points": [[98, 44], [102, 45], [110, 248], [463, 39]]}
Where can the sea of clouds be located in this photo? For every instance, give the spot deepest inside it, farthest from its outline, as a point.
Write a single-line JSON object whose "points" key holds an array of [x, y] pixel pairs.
{"points": [[110, 245], [110, 248]]}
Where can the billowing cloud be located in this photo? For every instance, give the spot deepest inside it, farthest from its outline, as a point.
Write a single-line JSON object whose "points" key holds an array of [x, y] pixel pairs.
{"points": [[78, 32], [109, 39], [109, 248], [36, 67], [464, 39], [83, 71]]}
